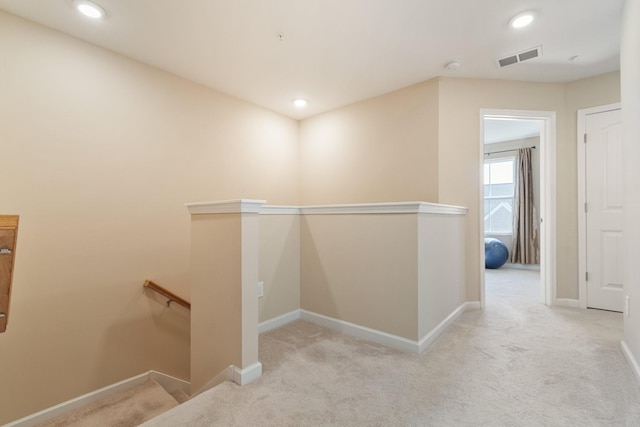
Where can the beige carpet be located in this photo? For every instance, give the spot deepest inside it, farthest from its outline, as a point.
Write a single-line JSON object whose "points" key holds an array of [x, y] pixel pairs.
{"points": [[125, 409], [517, 363]]}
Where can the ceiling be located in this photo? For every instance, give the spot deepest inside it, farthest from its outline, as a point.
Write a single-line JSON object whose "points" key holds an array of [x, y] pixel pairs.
{"points": [[337, 52], [502, 129]]}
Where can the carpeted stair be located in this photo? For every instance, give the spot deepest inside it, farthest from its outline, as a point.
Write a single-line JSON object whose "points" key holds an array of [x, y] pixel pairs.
{"points": [[127, 408]]}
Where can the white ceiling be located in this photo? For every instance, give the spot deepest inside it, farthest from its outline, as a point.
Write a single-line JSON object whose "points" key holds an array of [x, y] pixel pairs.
{"points": [[337, 52], [501, 130]]}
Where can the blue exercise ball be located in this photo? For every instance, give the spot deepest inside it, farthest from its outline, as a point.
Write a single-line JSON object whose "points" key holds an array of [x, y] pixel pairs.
{"points": [[495, 253]]}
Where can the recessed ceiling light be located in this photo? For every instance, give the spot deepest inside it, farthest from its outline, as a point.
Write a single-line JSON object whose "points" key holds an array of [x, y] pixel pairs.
{"points": [[300, 102], [90, 9], [523, 19]]}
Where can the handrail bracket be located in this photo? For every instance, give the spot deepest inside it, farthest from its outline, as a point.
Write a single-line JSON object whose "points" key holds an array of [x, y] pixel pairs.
{"points": [[166, 293]]}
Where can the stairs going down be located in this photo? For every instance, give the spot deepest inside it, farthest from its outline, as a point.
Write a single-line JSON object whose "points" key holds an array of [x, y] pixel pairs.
{"points": [[127, 408]]}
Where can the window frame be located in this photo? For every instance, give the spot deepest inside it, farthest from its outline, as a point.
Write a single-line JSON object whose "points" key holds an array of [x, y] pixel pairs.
{"points": [[503, 158]]}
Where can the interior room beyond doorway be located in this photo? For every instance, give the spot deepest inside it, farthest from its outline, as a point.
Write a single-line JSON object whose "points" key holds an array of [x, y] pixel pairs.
{"points": [[506, 140]]}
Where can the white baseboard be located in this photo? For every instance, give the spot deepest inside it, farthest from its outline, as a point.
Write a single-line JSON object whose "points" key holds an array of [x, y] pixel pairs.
{"points": [[55, 411], [248, 374], [428, 339], [393, 341], [235, 374], [279, 321], [225, 375], [532, 267], [635, 367], [170, 383], [472, 305], [567, 302]]}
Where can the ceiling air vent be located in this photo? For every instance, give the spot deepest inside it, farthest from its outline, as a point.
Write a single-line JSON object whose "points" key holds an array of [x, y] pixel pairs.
{"points": [[520, 57]]}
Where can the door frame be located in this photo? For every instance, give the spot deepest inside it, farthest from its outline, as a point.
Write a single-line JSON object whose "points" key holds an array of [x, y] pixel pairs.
{"points": [[548, 275], [582, 190]]}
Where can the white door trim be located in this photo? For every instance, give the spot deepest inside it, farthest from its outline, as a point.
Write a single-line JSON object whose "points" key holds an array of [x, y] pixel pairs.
{"points": [[582, 221], [547, 197]]}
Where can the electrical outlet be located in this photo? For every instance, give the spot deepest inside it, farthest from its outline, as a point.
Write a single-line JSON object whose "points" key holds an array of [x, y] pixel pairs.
{"points": [[260, 289]]}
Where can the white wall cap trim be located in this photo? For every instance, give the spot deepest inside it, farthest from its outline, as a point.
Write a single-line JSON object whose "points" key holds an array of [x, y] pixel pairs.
{"points": [[226, 206], [258, 206], [384, 208], [438, 208], [280, 210]]}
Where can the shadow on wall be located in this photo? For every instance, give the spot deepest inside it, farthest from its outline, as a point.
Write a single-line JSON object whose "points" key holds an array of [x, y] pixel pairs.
{"points": [[314, 283], [279, 265], [163, 331], [362, 269]]}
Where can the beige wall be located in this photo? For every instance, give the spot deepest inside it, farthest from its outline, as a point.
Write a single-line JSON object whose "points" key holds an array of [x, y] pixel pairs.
{"points": [[630, 69], [279, 265], [224, 310], [101, 152], [460, 151], [363, 269], [344, 159], [461, 101], [441, 263], [341, 136], [216, 277], [586, 93], [99, 155], [381, 150], [401, 274]]}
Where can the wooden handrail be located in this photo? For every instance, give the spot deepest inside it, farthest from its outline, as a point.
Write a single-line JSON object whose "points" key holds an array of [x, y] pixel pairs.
{"points": [[162, 291]]}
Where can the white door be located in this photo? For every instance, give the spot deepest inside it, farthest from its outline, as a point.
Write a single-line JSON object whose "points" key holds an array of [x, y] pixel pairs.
{"points": [[603, 185]]}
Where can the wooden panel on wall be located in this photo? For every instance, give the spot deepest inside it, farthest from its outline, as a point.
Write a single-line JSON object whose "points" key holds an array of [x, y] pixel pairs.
{"points": [[8, 237]]}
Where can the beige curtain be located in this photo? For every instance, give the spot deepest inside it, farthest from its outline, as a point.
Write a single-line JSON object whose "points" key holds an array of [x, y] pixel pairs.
{"points": [[525, 221]]}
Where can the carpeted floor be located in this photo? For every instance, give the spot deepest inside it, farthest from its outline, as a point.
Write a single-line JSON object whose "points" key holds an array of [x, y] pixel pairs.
{"points": [[124, 409], [516, 363]]}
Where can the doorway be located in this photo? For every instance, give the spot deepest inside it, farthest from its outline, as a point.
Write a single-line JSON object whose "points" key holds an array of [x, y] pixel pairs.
{"points": [[544, 123]]}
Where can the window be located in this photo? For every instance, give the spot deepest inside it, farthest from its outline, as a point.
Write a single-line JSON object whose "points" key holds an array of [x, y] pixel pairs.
{"points": [[498, 195]]}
